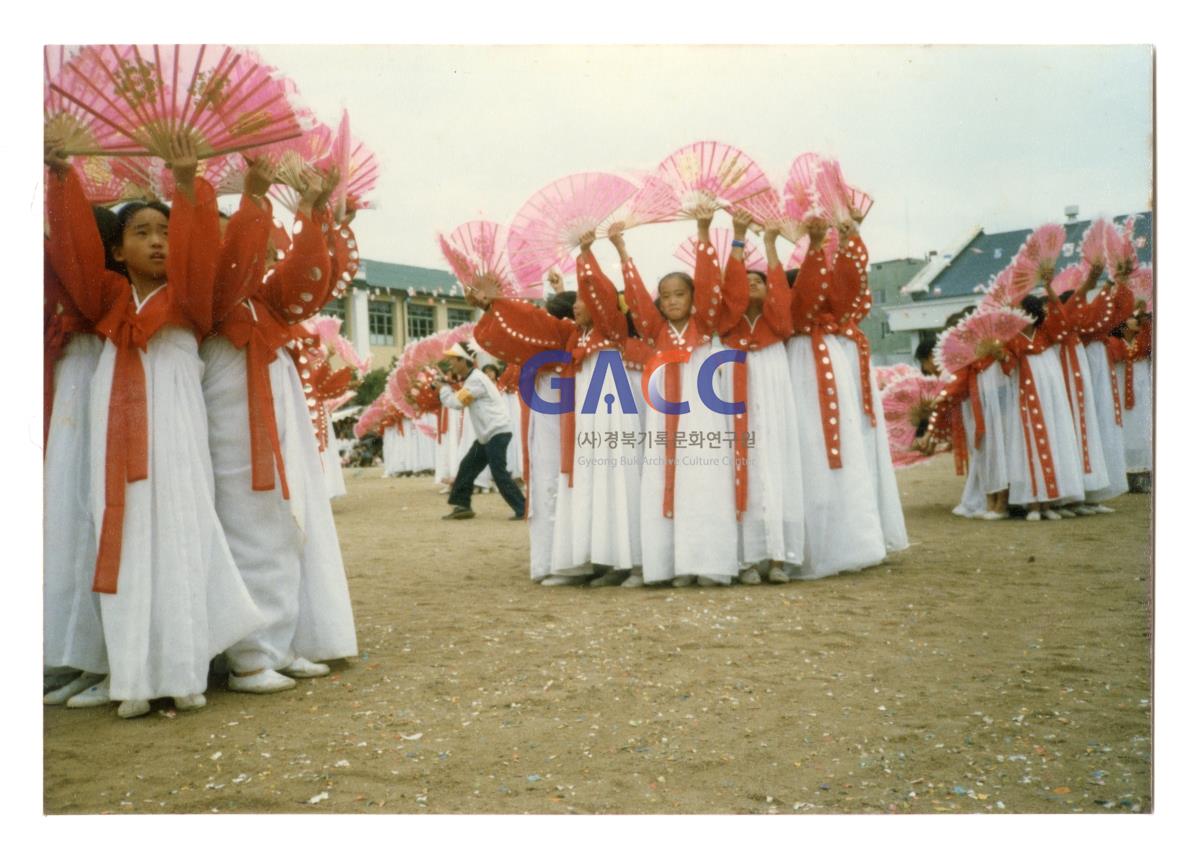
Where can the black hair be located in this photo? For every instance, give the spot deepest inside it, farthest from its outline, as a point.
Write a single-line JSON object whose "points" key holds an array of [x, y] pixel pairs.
{"points": [[494, 368], [1034, 307], [958, 316], [122, 222], [759, 273], [924, 351], [630, 326], [106, 225], [562, 304], [1066, 295]]}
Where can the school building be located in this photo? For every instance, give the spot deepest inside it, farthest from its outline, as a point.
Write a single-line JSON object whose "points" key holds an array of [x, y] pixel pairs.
{"points": [[389, 305]]}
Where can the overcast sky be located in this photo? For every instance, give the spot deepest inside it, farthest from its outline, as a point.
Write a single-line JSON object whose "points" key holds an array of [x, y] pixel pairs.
{"points": [[944, 138]]}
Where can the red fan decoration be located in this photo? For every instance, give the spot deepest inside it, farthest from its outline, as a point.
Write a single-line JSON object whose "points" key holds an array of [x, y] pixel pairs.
{"points": [[1069, 279], [326, 328], [767, 210], [797, 257], [833, 194], [150, 178], [226, 100], [1038, 256], [981, 334], [799, 191], [861, 204], [70, 105], [1005, 290], [885, 375], [476, 252], [291, 159], [1141, 283], [547, 228], [722, 241], [358, 171], [654, 201], [709, 175], [102, 185], [907, 403], [1091, 247], [371, 417], [1119, 251], [411, 384]]}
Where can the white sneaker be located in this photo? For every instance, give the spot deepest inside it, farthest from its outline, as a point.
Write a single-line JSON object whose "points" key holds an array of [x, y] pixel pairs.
{"points": [[992, 515], [133, 708], [302, 668], [683, 581], [1051, 514], [778, 575], [74, 688], [190, 702], [1084, 510], [558, 580], [1103, 509], [611, 578], [266, 681], [1065, 513], [709, 582], [634, 581], [1033, 515], [95, 696]]}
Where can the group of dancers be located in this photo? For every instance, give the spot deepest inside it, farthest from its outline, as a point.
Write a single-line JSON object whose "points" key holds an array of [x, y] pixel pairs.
{"points": [[1057, 419], [186, 507], [797, 485]]}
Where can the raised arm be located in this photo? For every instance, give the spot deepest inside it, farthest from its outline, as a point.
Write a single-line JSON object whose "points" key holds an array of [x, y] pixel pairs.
{"points": [[777, 309], [735, 286], [244, 247], [707, 306], [515, 331], [599, 295], [812, 281], [74, 248], [298, 287], [646, 317], [850, 290]]}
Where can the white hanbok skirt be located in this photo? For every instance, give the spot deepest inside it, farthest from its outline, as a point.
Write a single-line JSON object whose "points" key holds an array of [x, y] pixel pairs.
{"points": [[842, 527], [393, 452], [516, 460], [427, 445], [1139, 422], [772, 526], [1096, 482], [331, 462], [1109, 437], [287, 550], [597, 518], [180, 599], [1060, 430], [72, 636], [544, 465], [878, 451], [987, 469], [701, 538]]}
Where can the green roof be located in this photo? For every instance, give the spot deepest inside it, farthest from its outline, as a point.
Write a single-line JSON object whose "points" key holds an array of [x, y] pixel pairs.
{"points": [[414, 280]]}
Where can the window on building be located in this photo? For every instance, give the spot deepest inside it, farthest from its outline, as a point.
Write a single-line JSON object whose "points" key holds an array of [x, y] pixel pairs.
{"points": [[456, 316], [381, 322], [420, 321], [335, 308]]}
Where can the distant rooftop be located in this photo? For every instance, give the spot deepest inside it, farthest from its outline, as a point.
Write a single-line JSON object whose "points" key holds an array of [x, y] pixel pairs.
{"points": [[415, 280], [984, 256]]}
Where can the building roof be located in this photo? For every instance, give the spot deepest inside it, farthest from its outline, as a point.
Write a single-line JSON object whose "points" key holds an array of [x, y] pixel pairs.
{"points": [[983, 256], [407, 278]]}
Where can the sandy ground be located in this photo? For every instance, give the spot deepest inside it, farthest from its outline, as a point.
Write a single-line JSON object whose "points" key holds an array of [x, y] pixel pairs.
{"points": [[993, 667]]}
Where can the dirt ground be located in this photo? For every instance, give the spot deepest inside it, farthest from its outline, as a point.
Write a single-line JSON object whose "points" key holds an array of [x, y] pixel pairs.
{"points": [[992, 667]]}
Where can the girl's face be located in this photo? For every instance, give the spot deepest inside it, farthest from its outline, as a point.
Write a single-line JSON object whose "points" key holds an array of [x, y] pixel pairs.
{"points": [[758, 287], [143, 247], [582, 317], [675, 298]]}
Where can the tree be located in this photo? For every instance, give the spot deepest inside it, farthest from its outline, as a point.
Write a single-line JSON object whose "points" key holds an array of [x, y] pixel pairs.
{"points": [[370, 387]]}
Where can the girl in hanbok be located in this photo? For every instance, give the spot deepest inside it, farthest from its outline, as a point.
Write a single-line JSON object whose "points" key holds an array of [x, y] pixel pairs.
{"points": [[1136, 375], [171, 596]]}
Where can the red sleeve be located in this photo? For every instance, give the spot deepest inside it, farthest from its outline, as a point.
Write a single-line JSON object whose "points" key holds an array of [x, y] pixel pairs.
{"points": [[600, 296], [515, 331], [243, 256], [1055, 326], [297, 287], [76, 252], [646, 317], [1123, 303], [707, 305], [1144, 340], [849, 292], [735, 295], [194, 240], [807, 291], [777, 311]]}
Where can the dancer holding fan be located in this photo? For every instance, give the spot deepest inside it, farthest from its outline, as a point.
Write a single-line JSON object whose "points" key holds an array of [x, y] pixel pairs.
{"points": [[171, 596], [688, 512], [270, 488], [770, 484]]}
